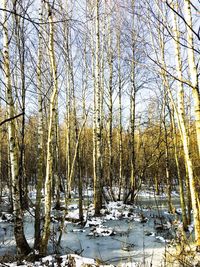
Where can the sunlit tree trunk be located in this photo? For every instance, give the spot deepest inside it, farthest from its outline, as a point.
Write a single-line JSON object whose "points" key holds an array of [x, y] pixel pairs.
{"points": [[193, 70], [185, 137], [40, 157], [49, 162], [181, 184], [22, 245]]}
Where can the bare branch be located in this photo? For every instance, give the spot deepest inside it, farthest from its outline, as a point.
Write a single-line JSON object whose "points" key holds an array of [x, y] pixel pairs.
{"points": [[197, 35], [9, 119]]}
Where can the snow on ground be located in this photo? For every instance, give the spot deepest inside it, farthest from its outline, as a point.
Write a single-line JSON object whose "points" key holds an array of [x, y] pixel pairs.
{"points": [[60, 261], [79, 261]]}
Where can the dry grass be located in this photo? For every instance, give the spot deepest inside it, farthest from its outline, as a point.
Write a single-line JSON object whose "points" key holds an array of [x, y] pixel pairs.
{"points": [[183, 254]]}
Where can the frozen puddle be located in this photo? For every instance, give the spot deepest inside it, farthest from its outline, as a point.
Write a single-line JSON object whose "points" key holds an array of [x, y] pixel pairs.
{"points": [[123, 236], [128, 243]]}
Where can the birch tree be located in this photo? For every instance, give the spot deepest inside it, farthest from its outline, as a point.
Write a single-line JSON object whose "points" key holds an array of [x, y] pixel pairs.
{"points": [[40, 140], [132, 106], [180, 115], [185, 137], [66, 47], [49, 161], [193, 68], [110, 104], [98, 176], [121, 181], [22, 245]]}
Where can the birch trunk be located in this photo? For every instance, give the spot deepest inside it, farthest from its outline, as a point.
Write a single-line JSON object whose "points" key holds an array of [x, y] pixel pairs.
{"points": [[110, 108], [185, 137], [121, 181], [75, 123], [94, 154], [21, 242], [102, 80], [68, 145], [68, 97], [193, 69], [48, 178], [132, 110], [20, 42], [40, 144], [98, 182], [84, 143]]}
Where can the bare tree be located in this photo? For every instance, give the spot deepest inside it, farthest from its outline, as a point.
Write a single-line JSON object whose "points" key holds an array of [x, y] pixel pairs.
{"points": [[22, 245]]}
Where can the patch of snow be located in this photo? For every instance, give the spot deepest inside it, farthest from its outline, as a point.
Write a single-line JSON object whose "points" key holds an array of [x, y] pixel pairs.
{"points": [[162, 240], [130, 264], [78, 230], [179, 210], [93, 222], [47, 258], [6, 217], [82, 261], [101, 231], [190, 228]]}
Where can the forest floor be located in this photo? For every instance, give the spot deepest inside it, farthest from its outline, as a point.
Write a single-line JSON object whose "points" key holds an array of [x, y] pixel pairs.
{"points": [[144, 234]]}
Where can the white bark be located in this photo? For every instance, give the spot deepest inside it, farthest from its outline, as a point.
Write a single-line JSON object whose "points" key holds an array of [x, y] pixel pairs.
{"points": [[22, 245], [48, 178], [40, 143], [185, 136], [97, 183], [193, 68]]}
